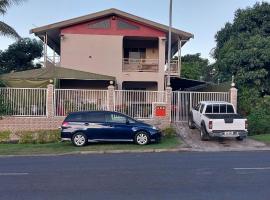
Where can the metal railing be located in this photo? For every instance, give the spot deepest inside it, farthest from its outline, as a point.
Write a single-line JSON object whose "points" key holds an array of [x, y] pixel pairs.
{"points": [[175, 68], [140, 65], [137, 104], [24, 101], [54, 59], [71, 100], [182, 102]]}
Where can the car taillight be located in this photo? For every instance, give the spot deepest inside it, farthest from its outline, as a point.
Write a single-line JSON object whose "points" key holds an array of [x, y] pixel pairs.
{"points": [[65, 124], [246, 124], [210, 125]]}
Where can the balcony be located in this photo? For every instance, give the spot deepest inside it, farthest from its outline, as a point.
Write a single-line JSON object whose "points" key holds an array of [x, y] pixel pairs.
{"points": [[140, 65], [175, 68]]}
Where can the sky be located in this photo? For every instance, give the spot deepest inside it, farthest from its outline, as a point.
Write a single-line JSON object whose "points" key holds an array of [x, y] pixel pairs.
{"points": [[203, 18]]}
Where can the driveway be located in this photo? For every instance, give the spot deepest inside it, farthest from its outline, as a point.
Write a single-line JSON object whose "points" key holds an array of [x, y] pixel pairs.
{"points": [[192, 140]]}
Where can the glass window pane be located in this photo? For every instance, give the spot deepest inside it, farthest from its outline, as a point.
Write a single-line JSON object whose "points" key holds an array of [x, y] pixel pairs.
{"points": [[216, 108], [223, 108], [115, 118], [230, 109], [208, 109]]}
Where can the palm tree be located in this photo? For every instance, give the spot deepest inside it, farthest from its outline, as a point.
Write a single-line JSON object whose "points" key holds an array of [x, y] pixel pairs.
{"points": [[5, 29]]}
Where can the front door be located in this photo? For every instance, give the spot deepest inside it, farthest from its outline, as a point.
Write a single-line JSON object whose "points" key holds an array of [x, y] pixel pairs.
{"points": [[121, 129]]}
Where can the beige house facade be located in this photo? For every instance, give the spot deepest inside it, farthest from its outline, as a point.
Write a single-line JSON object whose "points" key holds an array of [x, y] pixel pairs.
{"points": [[114, 43]]}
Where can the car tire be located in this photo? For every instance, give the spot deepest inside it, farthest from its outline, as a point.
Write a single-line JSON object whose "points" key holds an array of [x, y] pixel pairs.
{"points": [[191, 124], [79, 139], [203, 134], [141, 138], [240, 138]]}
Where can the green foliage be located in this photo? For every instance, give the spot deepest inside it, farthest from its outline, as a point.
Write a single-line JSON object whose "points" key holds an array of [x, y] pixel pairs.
{"points": [[195, 67], [4, 136], [4, 107], [243, 48], [39, 137], [260, 117], [169, 132], [5, 29], [20, 55]]}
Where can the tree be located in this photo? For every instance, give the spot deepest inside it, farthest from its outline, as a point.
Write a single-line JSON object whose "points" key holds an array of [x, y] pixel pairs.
{"points": [[20, 55], [5, 29], [194, 67], [243, 48]]}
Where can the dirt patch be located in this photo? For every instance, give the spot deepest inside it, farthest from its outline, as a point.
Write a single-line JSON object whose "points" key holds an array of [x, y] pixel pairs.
{"points": [[193, 141]]}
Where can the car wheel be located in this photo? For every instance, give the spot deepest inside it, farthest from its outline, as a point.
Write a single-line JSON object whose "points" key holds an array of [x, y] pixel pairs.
{"points": [[141, 138], [191, 124], [79, 139], [240, 138], [203, 134]]}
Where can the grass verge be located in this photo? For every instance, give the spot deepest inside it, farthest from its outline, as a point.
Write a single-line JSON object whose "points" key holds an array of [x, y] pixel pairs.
{"points": [[67, 147], [262, 138]]}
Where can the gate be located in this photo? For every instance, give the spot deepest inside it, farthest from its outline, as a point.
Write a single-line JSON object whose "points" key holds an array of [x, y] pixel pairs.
{"points": [[183, 101]]}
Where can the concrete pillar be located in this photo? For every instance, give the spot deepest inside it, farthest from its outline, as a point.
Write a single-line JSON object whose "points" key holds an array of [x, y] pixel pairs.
{"points": [[169, 102], [111, 91], [233, 95], [50, 101]]}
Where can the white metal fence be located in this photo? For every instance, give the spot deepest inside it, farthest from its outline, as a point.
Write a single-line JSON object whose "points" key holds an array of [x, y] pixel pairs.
{"points": [[24, 101], [182, 102], [137, 104], [70, 100]]}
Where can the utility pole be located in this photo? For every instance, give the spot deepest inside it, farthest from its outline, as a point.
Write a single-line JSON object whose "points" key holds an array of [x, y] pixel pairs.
{"points": [[169, 46]]}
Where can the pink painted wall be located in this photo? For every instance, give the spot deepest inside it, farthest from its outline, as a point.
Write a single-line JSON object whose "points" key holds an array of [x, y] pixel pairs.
{"points": [[144, 31]]}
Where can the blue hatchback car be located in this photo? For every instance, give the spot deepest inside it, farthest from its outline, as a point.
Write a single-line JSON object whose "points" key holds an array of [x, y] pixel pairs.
{"points": [[97, 126]]}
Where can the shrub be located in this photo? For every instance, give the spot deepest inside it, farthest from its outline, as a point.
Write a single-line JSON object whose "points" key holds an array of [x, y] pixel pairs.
{"points": [[260, 117], [39, 137], [4, 136], [169, 132]]}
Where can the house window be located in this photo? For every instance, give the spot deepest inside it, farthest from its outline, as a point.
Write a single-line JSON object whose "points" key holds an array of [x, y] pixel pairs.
{"points": [[126, 25], [135, 53], [104, 24]]}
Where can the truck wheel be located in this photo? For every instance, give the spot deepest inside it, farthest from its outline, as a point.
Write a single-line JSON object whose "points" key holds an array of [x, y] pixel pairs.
{"points": [[191, 124], [240, 138], [203, 133]]}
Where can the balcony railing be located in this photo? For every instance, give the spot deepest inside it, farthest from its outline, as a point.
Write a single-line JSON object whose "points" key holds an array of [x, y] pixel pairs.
{"points": [[140, 65], [175, 68]]}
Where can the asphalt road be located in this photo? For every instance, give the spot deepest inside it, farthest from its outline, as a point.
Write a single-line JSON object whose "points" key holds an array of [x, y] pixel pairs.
{"points": [[189, 176]]}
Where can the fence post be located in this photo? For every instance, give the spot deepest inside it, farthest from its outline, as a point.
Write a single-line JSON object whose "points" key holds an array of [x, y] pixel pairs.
{"points": [[111, 91], [50, 100], [233, 95], [169, 102]]}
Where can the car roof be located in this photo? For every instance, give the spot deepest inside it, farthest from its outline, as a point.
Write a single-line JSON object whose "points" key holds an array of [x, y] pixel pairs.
{"points": [[94, 111], [215, 102]]}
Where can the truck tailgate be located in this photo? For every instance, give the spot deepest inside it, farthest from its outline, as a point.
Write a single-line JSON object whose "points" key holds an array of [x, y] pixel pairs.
{"points": [[232, 124]]}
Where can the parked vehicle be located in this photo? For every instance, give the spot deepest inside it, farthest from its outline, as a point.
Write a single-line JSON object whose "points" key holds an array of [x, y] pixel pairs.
{"points": [[217, 119], [96, 126]]}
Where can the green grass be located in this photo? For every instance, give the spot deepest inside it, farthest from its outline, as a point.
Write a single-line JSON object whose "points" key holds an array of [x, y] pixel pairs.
{"points": [[67, 147], [262, 138]]}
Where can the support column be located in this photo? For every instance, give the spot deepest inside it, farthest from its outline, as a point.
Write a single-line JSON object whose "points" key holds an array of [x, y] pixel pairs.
{"points": [[169, 102], [233, 96], [50, 101], [110, 98]]}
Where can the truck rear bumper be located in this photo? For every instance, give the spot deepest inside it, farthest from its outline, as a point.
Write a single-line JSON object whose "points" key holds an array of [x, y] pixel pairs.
{"points": [[228, 133]]}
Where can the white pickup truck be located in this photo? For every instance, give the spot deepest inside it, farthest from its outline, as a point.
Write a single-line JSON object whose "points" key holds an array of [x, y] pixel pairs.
{"points": [[217, 119]]}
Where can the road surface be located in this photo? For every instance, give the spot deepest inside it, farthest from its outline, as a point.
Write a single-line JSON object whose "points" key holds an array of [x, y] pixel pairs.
{"points": [[185, 175]]}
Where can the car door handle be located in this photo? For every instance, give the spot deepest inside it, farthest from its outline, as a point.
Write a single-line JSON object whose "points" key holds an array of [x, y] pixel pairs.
{"points": [[86, 124]]}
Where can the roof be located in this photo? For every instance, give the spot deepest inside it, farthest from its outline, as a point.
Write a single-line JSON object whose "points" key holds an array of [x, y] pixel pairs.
{"points": [[53, 30], [54, 73], [215, 102]]}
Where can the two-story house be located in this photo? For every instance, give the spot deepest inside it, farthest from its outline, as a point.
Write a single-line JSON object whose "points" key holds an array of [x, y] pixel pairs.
{"points": [[113, 43]]}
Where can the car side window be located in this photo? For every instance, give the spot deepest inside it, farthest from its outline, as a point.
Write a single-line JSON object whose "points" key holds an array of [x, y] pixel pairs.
{"points": [[76, 117], [209, 109], [97, 117], [197, 107], [230, 109], [202, 107], [216, 108], [115, 118]]}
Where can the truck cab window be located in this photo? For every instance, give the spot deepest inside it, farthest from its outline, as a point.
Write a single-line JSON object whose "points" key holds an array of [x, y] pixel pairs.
{"points": [[202, 107], [209, 109]]}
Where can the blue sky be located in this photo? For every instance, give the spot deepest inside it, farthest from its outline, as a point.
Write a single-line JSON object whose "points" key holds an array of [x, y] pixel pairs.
{"points": [[203, 18]]}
